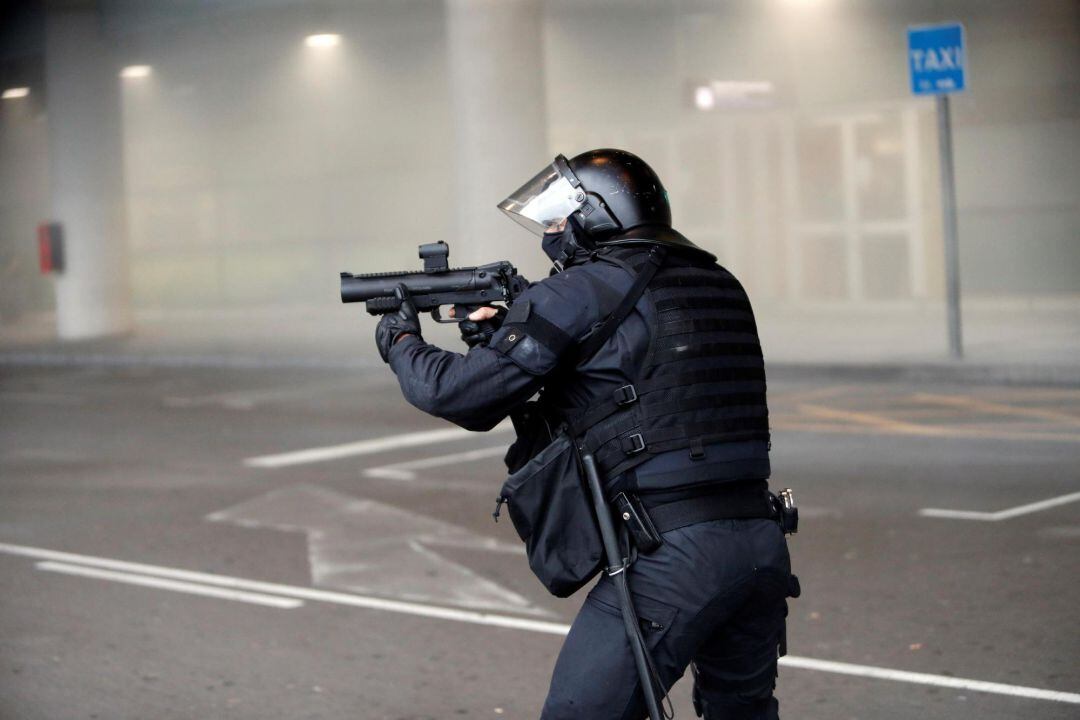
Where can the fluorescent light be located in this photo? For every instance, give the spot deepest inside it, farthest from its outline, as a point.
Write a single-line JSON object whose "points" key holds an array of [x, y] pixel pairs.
{"points": [[704, 98], [15, 93], [734, 94], [322, 40], [136, 71]]}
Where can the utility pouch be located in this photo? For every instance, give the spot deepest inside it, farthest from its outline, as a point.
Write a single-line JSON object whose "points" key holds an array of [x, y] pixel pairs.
{"points": [[549, 506], [638, 523], [533, 435]]}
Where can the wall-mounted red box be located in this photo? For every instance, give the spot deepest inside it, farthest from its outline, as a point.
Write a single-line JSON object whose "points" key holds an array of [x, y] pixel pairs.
{"points": [[51, 247]]}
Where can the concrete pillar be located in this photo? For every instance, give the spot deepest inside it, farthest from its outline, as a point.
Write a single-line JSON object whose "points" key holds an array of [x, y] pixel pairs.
{"points": [[496, 61], [93, 295]]}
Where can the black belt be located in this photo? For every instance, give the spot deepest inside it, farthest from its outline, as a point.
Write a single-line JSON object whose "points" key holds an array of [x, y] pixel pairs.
{"points": [[738, 502]]}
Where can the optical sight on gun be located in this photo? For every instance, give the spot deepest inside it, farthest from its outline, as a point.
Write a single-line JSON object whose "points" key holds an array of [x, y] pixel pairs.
{"points": [[465, 288]]}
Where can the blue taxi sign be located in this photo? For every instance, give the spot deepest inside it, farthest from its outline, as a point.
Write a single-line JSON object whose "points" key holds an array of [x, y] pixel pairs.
{"points": [[936, 59]]}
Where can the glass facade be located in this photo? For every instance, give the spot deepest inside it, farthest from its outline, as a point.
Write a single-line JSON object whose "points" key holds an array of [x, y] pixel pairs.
{"points": [[257, 163]]}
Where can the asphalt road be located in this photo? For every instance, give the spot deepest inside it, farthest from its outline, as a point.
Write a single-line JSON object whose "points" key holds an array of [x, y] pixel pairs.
{"points": [[365, 578]]}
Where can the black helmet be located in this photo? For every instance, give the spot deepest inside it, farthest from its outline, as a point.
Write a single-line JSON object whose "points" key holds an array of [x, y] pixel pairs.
{"points": [[613, 195], [623, 191]]}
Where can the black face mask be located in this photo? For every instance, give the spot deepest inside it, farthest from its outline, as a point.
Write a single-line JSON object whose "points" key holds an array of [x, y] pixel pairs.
{"points": [[561, 246]]}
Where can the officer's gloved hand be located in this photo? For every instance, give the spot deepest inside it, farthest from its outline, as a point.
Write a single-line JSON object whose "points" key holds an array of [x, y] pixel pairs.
{"points": [[406, 321], [479, 331]]}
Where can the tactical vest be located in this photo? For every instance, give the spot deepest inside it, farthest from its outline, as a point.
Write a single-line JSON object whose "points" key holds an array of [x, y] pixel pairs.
{"points": [[703, 379]]}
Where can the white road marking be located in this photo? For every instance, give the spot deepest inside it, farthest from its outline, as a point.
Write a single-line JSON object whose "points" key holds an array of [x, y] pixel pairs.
{"points": [[174, 585], [404, 470], [517, 623], [947, 681], [366, 447], [365, 546], [1000, 515], [293, 591]]}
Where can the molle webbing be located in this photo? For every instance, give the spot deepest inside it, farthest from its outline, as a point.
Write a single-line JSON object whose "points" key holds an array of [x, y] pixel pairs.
{"points": [[703, 379], [723, 300]]}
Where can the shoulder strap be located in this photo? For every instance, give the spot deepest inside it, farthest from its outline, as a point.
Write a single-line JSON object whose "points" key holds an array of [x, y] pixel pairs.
{"points": [[603, 333]]}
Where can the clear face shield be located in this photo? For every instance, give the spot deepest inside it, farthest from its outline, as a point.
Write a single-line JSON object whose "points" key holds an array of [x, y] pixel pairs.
{"points": [[547, 200]]}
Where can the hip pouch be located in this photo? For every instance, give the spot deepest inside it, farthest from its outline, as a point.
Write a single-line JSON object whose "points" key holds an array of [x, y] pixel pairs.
{"points": [[550, 508]]}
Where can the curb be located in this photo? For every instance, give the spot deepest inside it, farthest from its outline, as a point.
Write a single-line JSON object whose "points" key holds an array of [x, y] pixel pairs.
{"points": [[950, 372], [209, 361]]}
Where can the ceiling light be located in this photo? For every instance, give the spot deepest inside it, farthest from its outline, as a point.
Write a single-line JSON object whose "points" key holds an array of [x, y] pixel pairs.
{"points": [[15, 93], [136, 71], [734, 94], [704, 98], [322, 40]]}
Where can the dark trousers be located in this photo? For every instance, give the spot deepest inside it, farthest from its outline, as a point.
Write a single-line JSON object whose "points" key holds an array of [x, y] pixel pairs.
{"points": [[713, 594]]}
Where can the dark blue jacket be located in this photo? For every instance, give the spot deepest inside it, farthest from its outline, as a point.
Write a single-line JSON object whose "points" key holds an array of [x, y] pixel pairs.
{"points": [[479, 389]]}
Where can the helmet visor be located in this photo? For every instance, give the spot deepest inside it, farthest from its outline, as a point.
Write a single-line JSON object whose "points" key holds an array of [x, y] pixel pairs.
{"points": [[546, 200]]}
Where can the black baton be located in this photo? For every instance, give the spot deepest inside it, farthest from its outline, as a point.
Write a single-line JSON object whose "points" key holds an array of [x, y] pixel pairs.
{"points": [[617, 570]]}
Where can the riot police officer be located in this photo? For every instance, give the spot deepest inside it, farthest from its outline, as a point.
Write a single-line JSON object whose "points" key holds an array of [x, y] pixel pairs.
{"points": [[671, 404]]}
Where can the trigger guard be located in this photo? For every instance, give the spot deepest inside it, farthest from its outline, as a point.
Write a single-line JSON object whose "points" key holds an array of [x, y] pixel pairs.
{"points": [[436, 315]]}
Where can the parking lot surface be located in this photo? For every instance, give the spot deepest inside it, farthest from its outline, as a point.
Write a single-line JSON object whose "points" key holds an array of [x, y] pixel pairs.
{"points": [[285, 543]]}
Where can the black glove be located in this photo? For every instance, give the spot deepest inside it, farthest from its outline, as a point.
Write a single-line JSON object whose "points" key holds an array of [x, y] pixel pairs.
{"points": [[393, 325], [475, 333]]}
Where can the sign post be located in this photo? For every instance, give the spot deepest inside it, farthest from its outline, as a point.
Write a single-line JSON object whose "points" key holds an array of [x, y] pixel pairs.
{"points": [[938, 64]]}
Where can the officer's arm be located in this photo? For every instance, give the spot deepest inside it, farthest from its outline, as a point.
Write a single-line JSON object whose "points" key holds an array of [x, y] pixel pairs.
{"points": [[475, 391], [479, 389]]}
